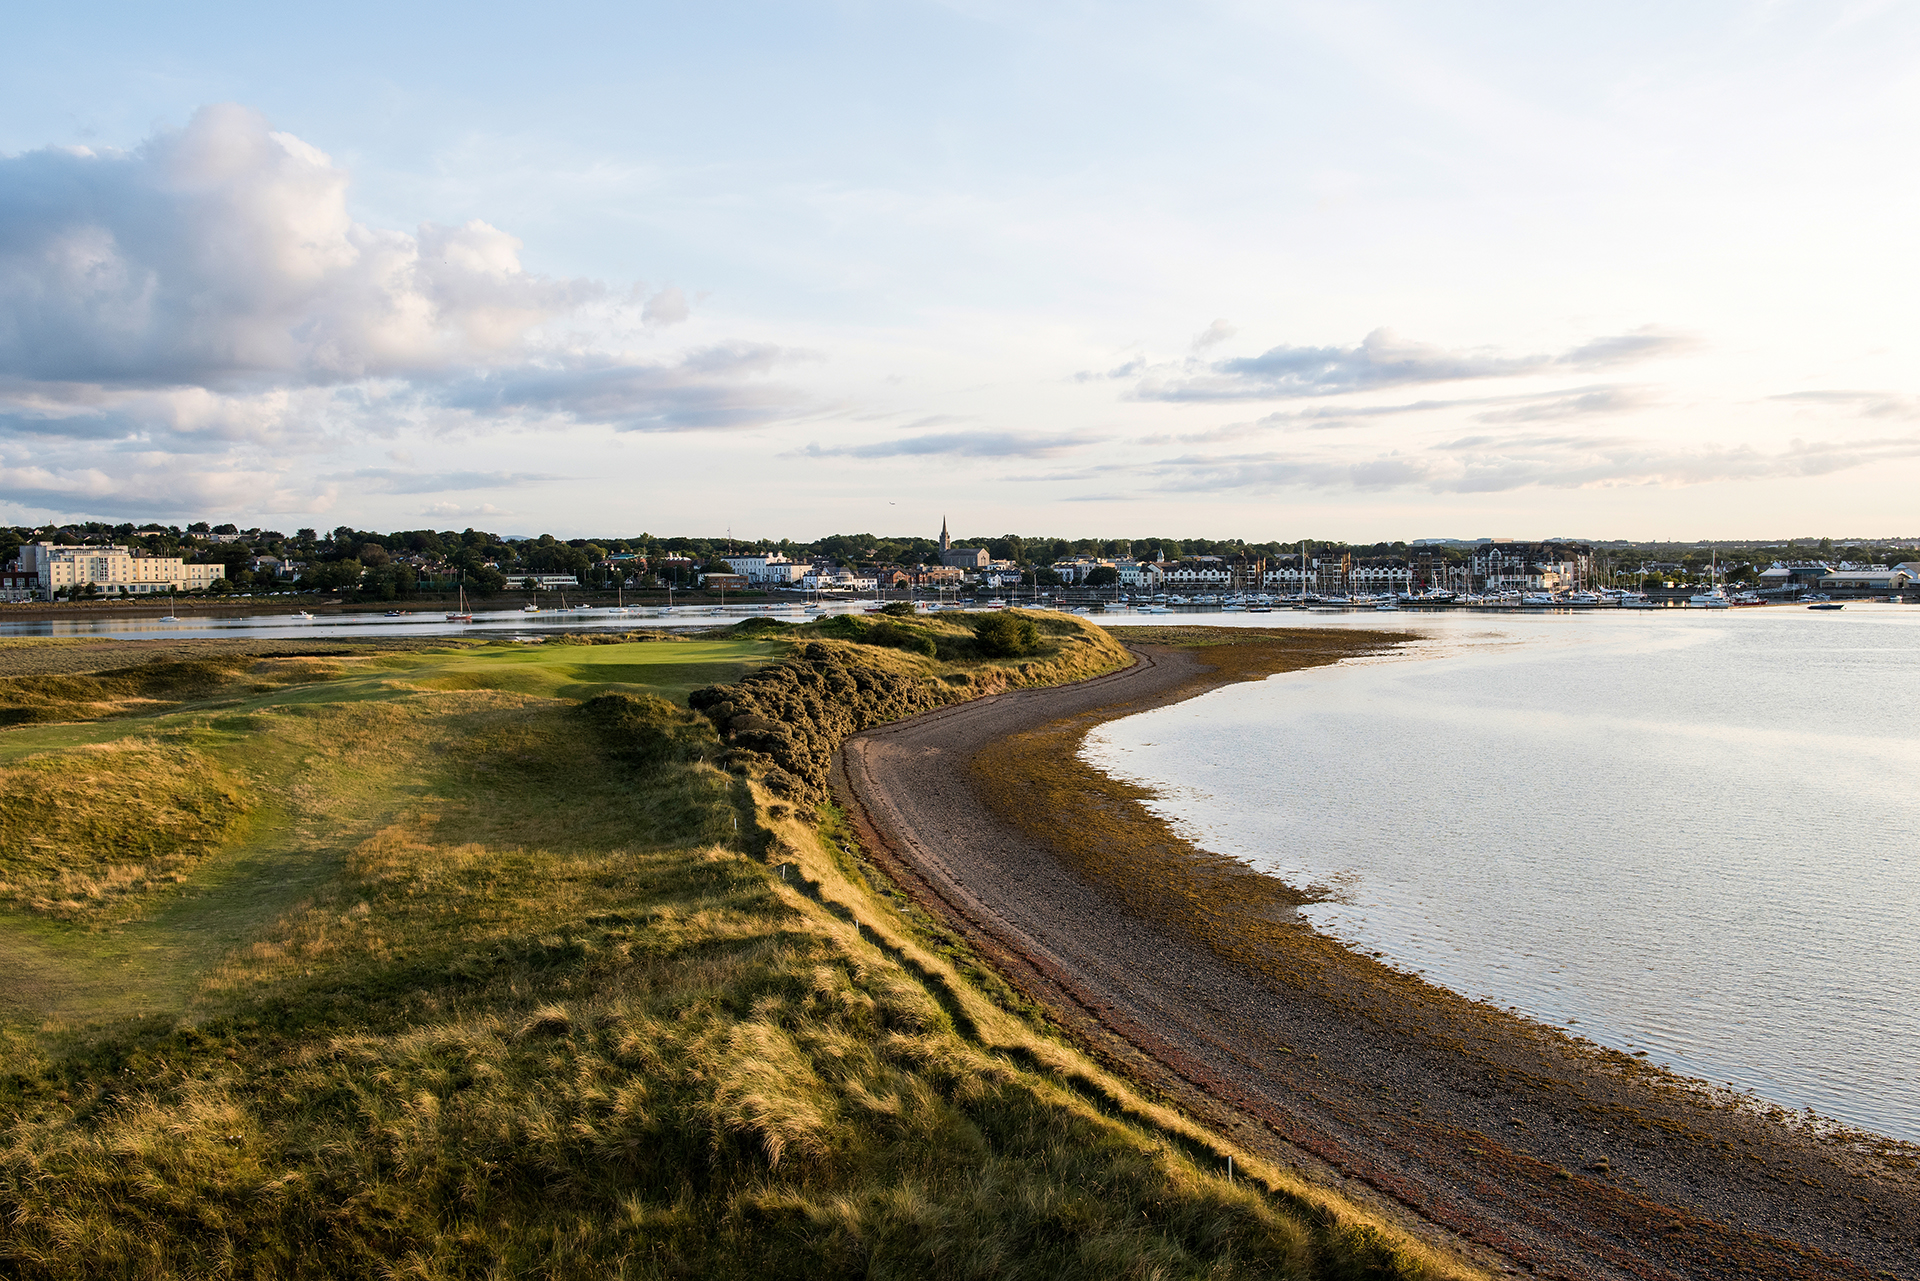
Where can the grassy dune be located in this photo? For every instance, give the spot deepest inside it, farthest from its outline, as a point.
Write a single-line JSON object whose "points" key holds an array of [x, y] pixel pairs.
{"points": [[473, 963]]}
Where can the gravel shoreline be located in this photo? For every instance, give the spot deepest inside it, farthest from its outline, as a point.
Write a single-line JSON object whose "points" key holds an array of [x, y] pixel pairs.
{"points": [[1542, 1154]]}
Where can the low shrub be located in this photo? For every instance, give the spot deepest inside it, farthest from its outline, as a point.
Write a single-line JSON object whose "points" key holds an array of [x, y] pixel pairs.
{"points": [[1005, 635], [895, 636]]}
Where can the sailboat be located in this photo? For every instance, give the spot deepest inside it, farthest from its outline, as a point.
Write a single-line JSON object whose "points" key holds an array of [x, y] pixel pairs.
{"points": [[462, 614], [169, 617], [1716, 596]]}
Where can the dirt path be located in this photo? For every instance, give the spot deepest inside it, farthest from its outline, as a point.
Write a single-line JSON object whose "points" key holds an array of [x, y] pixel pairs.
{"points": [[1563, 1160]]}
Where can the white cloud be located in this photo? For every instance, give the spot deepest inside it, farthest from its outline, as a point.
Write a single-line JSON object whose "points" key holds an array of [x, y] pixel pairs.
{"points": [[967, 444], [1503, 463], [1382, 360], [142, 486], [179, 320], [223, 254], [1213, 335], [668, 307]]}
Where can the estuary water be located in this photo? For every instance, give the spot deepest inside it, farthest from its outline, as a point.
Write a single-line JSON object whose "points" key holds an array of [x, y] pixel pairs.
{"points": [[1686, 833]]}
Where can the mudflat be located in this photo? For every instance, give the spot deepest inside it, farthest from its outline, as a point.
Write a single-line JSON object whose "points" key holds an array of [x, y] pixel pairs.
{"points": [[1533, 1149]]}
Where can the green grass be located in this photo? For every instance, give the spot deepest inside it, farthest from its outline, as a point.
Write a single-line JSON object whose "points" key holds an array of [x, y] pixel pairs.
{"points": [[493, 981]]}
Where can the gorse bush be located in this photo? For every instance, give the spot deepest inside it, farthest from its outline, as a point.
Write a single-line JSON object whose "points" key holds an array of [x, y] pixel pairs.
{"points": [[793, 715], [1005, 635]]}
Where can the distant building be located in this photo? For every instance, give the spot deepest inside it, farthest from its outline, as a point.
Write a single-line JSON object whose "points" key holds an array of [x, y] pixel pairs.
{"points": [[771, 570], [1506, 566], [724, 582], [1794, 573], [542, 582], [112, 568], [838, 580], [18, 585], [1867, 578], [1195, 571], [961, 557]]}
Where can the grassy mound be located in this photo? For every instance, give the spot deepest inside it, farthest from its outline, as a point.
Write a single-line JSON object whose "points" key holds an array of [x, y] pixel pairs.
{"points": [[84, 831], [578, 1002]]}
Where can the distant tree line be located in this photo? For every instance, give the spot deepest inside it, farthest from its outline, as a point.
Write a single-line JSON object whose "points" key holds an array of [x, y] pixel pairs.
{"points": [[372, 565]]}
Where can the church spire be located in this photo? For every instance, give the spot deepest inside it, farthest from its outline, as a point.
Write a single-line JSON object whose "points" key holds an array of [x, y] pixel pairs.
{"points": [[946, 543]]}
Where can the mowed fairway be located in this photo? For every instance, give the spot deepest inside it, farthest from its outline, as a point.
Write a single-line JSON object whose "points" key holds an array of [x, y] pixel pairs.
{"points": [[98, 923]]}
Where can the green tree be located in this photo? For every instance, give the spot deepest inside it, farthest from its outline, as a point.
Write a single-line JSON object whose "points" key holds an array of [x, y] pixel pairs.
{"points": [[1102, 576], [332, 575], [484, 579]]}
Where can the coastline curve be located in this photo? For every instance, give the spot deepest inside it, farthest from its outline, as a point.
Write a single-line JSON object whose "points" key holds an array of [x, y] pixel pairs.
{"points": [[1563, 1159]]}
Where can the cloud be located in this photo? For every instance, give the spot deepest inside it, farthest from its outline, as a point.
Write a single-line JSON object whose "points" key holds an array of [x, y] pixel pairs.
{"points": [[1128, 369], [205, 303], [1213, 335], [705, 389], [223, 254], [386, 480], [668, 307], [1527, 407], [1866, 404], [458, 511], [1384, 360], [959, 444], [151, 486], [1502, 463], [1609, 401]]}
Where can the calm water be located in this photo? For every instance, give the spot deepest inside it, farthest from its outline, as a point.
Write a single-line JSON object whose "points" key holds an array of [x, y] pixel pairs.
{"points": [[281, 624], [1692, 834]]}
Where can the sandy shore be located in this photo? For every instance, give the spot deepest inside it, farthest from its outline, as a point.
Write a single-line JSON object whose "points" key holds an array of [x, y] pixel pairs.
{"points": [[1556, 1157]]}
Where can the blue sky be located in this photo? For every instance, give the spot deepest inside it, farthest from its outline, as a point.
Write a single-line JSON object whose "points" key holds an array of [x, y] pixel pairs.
{"points": [[1338, 270]]}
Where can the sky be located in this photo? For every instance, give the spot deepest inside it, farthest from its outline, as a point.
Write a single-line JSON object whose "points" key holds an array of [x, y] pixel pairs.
{"points": [[1345, 270]]}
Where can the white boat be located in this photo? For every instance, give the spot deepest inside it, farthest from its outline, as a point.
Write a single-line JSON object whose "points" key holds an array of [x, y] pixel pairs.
{"points": [[1634, 600], [1716, 598], [461, 613], [169, 616], [303, 615]]}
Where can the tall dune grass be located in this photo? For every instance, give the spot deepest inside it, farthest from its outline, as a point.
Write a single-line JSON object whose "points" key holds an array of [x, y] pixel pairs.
{"points": [[582, 1006]]}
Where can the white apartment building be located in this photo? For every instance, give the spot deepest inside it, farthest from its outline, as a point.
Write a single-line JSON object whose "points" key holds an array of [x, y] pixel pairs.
{"points": [[112, 568], [1206, 572], [838, 580], [773, 570]]}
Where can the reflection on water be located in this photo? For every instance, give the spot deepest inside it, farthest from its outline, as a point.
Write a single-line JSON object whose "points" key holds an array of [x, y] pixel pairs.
{"points": [[1687, 834]]}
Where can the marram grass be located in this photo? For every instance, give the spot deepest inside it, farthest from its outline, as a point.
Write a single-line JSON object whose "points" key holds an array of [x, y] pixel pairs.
{"points": [[575, 1003]]}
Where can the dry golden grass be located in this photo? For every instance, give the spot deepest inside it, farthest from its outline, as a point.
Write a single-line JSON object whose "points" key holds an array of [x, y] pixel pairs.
{"points": [[579, 1004], [85, 831]]}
